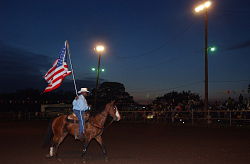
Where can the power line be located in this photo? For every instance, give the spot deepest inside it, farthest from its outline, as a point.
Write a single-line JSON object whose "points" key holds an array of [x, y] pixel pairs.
{"points": [[168, 89], [229, 81], [188, 84], [150, 52], [233, 13], [236, 11]]}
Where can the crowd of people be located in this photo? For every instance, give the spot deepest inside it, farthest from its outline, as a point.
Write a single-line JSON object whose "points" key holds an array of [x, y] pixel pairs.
{"points": [[186, 101], [232, 104]]}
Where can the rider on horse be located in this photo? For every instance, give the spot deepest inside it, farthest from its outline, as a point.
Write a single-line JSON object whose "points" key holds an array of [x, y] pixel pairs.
{"points": [[80, 105]]}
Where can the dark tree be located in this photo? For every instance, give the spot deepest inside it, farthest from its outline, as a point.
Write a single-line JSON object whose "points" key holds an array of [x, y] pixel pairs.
{"points": [[171, 100], [109, 91]]}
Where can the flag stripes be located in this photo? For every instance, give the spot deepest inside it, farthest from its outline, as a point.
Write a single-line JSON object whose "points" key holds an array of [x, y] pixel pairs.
{"points": [[57, 72]]}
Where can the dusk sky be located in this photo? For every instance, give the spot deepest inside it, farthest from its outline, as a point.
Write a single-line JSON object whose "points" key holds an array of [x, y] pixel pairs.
{"points": [[152, 46]]}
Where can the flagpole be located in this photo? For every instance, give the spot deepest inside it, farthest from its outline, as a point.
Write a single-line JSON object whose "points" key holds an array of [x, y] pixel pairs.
{"points": [[67, 44]]}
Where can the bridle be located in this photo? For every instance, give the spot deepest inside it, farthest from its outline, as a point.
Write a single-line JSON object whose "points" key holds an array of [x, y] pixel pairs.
{"points": [[112, 118]]}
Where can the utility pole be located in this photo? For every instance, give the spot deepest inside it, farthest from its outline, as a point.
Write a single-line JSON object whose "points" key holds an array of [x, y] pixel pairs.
{"points": [[206, 62]]}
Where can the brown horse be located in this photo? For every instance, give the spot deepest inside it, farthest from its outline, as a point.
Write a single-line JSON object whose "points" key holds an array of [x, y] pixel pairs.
{"points": [[61, 127]]}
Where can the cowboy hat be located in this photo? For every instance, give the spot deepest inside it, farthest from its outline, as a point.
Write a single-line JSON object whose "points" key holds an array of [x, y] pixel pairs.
{"points": [[83, 90]]}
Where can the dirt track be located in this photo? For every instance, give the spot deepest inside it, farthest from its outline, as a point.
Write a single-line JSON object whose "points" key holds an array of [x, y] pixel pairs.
{"points": [[130, 143]]}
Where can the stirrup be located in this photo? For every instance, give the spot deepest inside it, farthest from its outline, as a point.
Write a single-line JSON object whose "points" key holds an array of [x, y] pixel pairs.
{"points": [[80, 137]]}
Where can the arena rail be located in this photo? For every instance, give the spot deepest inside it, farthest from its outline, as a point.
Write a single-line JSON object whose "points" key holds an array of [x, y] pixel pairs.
{"points": [[231, 117], [190, 117]]}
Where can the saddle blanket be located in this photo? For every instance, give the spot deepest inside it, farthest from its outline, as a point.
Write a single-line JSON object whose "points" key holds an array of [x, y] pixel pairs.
{"points": [[72, 118]]}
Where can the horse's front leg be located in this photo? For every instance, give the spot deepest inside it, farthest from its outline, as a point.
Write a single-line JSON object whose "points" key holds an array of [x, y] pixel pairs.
{"points": [[104, 150], [85, 147]]}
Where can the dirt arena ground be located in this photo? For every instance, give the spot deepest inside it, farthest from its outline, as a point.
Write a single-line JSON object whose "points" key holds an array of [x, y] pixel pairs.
{"points": [[130, 143]]}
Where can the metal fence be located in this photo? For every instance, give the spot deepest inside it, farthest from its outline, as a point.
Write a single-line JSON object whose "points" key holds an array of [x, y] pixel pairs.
{"points": [[218, 117], [223, 117]]}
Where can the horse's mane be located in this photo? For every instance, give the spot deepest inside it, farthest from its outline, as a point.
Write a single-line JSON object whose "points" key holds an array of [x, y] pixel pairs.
{"points": [[100, 106]]}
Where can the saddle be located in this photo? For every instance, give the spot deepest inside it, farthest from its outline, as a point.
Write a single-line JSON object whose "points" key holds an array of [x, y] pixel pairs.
{"points": [[72, 118]]}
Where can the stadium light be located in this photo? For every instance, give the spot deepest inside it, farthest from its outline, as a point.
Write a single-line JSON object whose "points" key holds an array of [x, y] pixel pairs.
{"points": [[212, 49], [94, 69], [203, 6], [99, 50]]}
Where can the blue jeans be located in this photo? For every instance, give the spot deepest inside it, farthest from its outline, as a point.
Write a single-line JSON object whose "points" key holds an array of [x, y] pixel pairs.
{"points": [[80, 115]]}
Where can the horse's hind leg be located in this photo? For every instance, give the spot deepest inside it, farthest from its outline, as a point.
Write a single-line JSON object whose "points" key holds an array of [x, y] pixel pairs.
{"points": [[104, 151], [56, 141]]}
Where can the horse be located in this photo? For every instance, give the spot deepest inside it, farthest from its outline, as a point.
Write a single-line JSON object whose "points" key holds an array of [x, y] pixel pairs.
{"points": [[60, 127]]}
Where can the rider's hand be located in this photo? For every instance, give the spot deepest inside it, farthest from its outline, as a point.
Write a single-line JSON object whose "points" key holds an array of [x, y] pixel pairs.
{"points": [[76, 97]]}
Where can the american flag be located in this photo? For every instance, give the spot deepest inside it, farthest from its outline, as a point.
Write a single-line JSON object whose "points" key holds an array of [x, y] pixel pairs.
{"points": [[57, 72]]}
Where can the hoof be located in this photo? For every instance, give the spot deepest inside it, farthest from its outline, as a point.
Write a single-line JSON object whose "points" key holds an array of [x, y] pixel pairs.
{"points": [[84, 161], [48, 156], [106, 159], [59, 159]]}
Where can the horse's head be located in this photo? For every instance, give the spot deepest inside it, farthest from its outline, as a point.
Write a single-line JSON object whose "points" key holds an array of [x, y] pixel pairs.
{"points": [[113, 111]]}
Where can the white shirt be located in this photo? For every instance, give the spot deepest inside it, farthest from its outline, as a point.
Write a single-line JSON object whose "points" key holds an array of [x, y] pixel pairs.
{"points": [[80, 104]]}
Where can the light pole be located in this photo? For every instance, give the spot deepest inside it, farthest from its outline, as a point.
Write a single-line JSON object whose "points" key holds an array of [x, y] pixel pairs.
{"points": [[204, 6], [99, 50]]}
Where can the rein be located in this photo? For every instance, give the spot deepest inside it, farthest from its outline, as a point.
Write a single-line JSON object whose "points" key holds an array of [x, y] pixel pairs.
{"points": [[109, 124], [98, 126], [95, 125]]}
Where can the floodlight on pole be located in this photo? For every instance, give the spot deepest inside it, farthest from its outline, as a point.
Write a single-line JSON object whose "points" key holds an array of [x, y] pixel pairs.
{"points": [[212, 49], [203, 6], [204, 9], [99, 50], [207, 4], [94, 69]]}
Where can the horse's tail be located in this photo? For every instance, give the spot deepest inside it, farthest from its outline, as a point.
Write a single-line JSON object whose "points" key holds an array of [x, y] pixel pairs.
{"points": [[48, 137]]}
